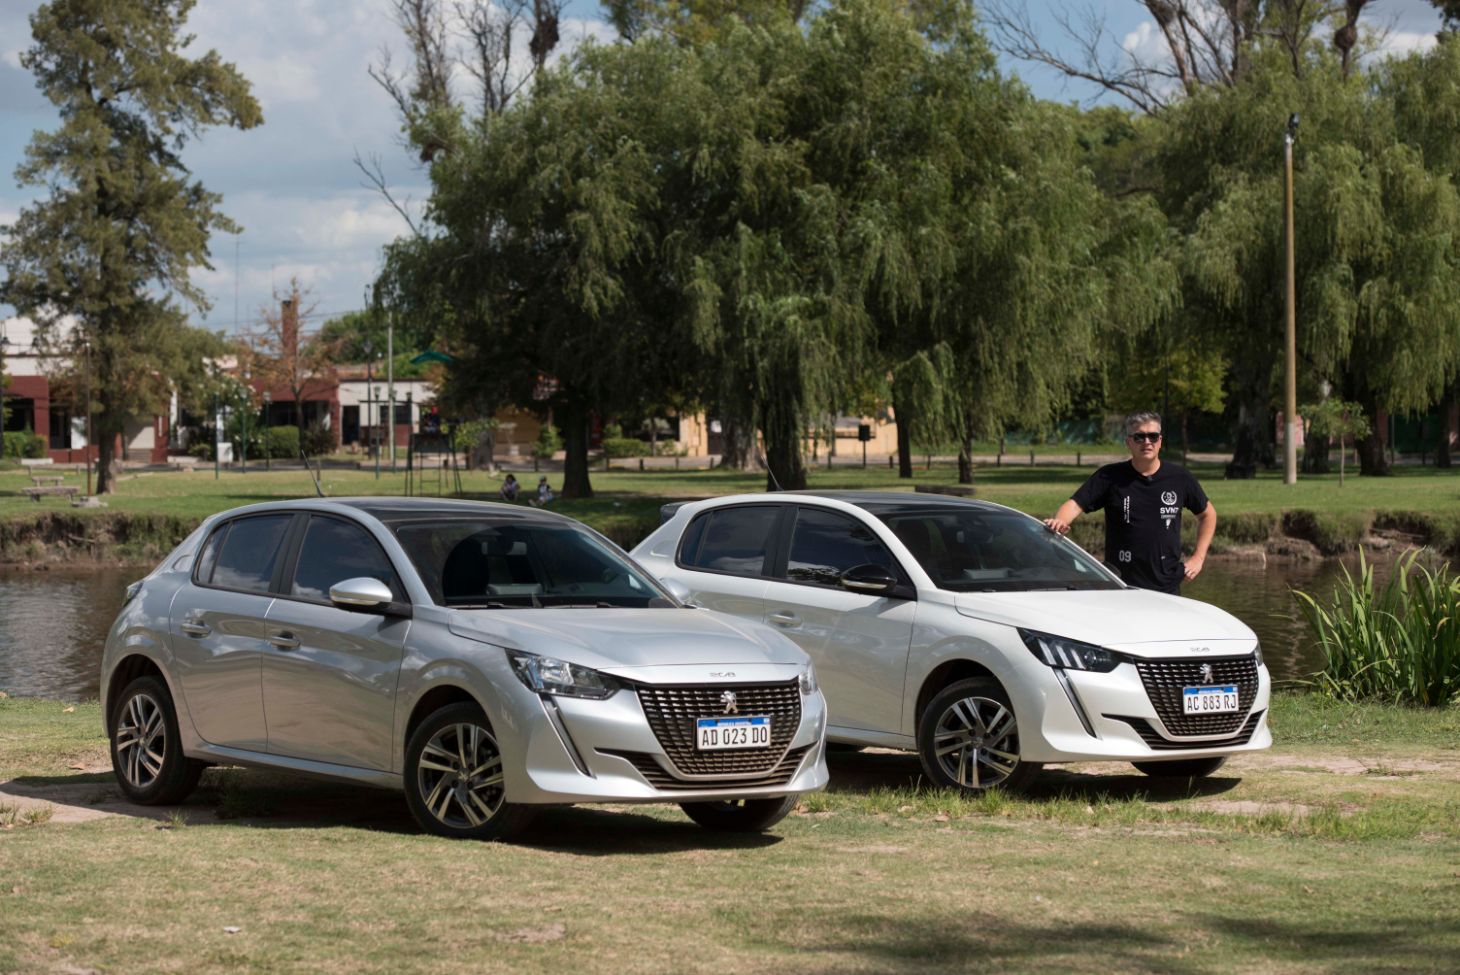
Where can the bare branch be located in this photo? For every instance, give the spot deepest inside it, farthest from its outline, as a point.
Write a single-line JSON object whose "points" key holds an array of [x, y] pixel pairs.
{"points": [[374, 174]]}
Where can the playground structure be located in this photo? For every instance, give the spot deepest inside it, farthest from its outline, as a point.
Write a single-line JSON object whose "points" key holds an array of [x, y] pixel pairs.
{"points": [[431, 464]]}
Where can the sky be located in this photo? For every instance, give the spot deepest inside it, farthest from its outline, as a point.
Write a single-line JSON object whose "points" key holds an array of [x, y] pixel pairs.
{"points": [[292, 183]]}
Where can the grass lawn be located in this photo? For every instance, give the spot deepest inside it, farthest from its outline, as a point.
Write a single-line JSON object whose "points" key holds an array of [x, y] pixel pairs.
{"points": [[1339, 850]]}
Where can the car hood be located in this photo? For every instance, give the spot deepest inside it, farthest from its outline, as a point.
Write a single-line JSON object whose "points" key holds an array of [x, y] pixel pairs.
{"points": [[1116, 618], [620, 640]]}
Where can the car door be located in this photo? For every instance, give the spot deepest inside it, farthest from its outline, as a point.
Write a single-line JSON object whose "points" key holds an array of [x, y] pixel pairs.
{"points": [[858, 641], [219, 629], [330, 674], [725, 556]]}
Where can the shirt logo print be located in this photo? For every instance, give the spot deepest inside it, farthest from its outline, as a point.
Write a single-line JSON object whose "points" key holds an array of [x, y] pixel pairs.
{"points": [[1168, 497]]}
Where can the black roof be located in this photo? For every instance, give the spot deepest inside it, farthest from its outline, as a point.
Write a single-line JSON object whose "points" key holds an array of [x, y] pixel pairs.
{"points": [[397, 510]]}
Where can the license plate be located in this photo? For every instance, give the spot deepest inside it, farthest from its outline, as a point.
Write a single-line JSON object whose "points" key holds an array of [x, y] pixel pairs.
{"points": [[1209, 700], [715, 734]]}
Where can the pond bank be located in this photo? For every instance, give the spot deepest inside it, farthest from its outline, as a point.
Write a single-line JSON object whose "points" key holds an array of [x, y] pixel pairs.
{"points": [[111, 539]]}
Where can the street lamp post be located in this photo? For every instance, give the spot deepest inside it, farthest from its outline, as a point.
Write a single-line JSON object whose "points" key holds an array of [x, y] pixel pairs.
{"points": [[370, 403], [268, 451], [1290, 341], [247, 409], [86, 347]]}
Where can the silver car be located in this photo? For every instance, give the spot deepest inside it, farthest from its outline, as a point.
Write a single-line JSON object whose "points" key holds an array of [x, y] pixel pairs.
{"points": [[486, 659]]}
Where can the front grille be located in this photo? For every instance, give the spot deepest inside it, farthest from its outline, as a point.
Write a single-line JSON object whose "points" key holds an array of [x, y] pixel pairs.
{"points": [[1165, 679], [1156, 742], [672, 712], [656, 776]]}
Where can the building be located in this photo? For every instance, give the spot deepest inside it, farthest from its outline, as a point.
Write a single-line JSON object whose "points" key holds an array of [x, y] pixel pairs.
{"points": [[38, 403]]}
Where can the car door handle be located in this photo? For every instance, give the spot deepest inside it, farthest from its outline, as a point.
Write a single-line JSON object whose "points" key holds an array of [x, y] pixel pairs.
{"points": [[195, 629], [284, 641], [784, 618]]}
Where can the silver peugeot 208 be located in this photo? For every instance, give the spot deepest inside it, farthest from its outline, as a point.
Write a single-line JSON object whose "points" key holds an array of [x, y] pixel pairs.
{"points": [[486, 659]]}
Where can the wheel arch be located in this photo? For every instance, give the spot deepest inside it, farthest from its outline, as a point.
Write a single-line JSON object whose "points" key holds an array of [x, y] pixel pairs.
{"points": [[949, 672], [128, 669]]}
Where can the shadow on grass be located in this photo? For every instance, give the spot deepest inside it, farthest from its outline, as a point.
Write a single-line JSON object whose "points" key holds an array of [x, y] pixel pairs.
{"points": [[257, 799], [866, 771]]}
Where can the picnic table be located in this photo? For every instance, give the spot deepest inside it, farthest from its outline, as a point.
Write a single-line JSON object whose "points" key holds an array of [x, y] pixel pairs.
{"points": [[35, 493]]}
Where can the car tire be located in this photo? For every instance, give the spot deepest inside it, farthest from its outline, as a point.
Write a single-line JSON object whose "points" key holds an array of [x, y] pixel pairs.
{"points": [[740, 815], [968, 739], [146, 748], [454, 778], [1190, 768]]}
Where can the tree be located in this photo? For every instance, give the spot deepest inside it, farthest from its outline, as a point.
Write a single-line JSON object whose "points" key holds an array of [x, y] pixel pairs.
{"points": [[286, 356], [114, 243], [1337, 418]]}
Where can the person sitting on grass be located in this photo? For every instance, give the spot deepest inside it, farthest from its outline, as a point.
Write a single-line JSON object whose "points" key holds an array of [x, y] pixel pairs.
{"points": [[510, 488], [544, 494]]}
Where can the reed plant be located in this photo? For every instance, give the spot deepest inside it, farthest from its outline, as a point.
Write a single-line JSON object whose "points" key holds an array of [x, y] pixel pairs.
{"points": [[1397, 642]]}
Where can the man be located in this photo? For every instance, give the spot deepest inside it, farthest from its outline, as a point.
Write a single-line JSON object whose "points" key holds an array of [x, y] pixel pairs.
{"points": [[1142, 499]]}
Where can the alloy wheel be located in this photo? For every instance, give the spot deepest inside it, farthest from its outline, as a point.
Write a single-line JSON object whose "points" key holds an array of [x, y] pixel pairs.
{"points": [[976, 742], [459, 776], [141, 740]]}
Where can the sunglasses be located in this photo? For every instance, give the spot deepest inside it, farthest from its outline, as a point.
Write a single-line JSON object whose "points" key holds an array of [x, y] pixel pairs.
{"points": [[1145, 437]]}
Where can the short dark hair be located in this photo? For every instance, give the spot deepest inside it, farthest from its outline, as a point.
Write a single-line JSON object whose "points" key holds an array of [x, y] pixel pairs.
{"points": [[1137, 419]]}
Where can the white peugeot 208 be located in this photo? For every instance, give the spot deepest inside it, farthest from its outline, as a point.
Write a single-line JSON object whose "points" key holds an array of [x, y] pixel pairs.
{"points": [[969, 632]]}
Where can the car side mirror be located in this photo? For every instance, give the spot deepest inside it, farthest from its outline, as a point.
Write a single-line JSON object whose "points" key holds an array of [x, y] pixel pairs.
{"points": [[361, 593], [869, 579], [678, 590]]}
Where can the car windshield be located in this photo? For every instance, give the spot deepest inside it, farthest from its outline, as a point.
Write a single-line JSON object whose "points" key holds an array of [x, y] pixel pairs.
{"points": [[987, 550], [484, 564]]}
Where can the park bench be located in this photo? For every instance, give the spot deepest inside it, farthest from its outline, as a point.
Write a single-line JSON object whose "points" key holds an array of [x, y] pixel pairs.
{"points": [[42, 480], [34, 493]]}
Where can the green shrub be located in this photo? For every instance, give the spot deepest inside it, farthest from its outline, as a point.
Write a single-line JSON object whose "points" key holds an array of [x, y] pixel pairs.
{"points": [[548, 442], [202, 449], [1399, 642], [318, 440], [24, 443], [281, 443], [466, 436], [625, 447]]}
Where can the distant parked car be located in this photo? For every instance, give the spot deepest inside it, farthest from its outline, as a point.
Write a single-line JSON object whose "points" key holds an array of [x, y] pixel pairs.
{"points": [[486, 659], [970, 633]]}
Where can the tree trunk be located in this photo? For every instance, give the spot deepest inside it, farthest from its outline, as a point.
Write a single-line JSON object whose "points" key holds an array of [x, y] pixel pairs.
{"points": [[783, 433], [105, 427], [965, 452], [739, 437], [1316, 448], [574, 421], [904, 439], [1373, 460], [1447, 427]]}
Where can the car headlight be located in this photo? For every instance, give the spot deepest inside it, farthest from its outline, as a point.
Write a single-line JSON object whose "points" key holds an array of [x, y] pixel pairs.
{"points": [[549, 675], [1058, 651], [808, 680], [1257, 653]]}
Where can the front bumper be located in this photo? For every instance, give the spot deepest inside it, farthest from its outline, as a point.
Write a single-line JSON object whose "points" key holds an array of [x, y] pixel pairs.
{"points": [[569, 750], [1088, 717]]}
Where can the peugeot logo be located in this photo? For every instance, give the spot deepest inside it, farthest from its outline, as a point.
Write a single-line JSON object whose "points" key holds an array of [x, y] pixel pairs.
{"points": [[1206, 673], [727, 701]]}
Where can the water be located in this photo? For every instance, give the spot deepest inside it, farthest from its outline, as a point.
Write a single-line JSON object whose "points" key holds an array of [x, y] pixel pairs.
{"points": [[53, 624]]}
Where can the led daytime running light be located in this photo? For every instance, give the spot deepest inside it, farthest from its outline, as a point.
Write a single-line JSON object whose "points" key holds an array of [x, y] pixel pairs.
{"points": [[549, 675], [1057, 651]]}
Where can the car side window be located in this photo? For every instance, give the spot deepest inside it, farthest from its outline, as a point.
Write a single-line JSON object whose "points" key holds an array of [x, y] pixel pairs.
{"points": [[734, 540], [209, 558], [335, 550], [824, 544], [249, 553]]}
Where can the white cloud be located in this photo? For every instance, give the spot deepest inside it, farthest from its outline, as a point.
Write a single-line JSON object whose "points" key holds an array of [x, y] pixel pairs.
{"points": [[1402, 42]]}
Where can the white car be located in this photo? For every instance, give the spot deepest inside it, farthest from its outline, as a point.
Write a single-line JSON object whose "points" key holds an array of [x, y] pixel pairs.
{"points": [[969, 632]]}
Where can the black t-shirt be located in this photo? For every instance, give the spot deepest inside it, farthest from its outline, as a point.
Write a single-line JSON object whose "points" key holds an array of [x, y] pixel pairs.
{"points": [[1143, 520]]}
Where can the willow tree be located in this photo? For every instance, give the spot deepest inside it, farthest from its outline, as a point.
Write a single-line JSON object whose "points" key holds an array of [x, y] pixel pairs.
{"points": [[112, 247]]}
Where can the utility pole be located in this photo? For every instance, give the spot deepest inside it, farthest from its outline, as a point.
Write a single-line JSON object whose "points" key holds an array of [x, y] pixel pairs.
{"points": [[87, 347], [1290, 393], [390, 384]]}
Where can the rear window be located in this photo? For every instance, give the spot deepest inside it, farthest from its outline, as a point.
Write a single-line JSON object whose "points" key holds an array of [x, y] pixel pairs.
{"points": [[734, 540], [247, 552]]}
